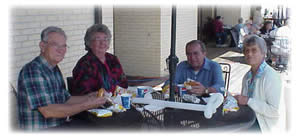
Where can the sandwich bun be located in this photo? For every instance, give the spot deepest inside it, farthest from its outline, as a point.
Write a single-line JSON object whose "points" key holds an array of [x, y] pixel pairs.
{"points": [[100, 92]]}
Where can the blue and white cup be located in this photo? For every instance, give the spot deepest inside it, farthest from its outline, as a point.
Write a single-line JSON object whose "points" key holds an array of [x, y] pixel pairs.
{"points": [[181, 90], [126, 100], [141, 90]]}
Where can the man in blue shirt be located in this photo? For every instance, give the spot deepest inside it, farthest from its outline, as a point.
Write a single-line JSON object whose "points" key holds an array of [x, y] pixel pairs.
{"points": [[206, 73]]}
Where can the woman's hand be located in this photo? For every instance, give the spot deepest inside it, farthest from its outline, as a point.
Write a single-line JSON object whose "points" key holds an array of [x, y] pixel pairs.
{"points": [[242, 100]]}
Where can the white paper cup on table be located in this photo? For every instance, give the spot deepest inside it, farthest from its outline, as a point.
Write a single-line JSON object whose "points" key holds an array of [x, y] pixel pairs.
{"points": [[126, 100], [141, 90]]}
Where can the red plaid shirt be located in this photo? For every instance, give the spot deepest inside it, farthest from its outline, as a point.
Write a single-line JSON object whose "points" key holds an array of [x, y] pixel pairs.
{"points": [[90, 74], [218, 26]]}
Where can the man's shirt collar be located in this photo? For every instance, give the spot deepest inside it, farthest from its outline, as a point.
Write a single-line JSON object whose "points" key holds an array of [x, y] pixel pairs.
{"points": [[204, 66], [46, 63]]}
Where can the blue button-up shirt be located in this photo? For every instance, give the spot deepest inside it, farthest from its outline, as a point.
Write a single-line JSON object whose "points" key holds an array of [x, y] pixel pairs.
{"points": [[209, 75]]}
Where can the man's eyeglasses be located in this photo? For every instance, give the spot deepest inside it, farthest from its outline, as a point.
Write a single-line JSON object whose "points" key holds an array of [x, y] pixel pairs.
{"points": [[55, 45]]}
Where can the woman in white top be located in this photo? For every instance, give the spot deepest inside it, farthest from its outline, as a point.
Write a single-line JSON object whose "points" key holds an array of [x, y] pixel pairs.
{"points": [[262, 90]]}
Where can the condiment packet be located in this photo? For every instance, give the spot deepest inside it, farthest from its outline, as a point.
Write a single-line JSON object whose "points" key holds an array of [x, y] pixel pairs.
{"points": [[101, 112], [230, 104]]}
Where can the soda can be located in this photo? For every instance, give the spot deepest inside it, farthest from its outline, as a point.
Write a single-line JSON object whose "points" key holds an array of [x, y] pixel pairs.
{"points": [[181, 89]]}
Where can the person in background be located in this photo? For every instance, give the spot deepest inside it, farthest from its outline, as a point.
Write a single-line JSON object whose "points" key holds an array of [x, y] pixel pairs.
{"points": [[219, 31], [206, 73], [238, 26], [261, 88], [255, 29], [236, 32], [244, 31], [43, 101], [97, 68], [284, 31], [208, 29], [282, 44], [267, 28], [276, 21]]}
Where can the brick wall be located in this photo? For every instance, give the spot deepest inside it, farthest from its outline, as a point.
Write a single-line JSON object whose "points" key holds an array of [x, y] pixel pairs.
{"points": [[27, 24], [107, 19], [165, 31], [142, 41], [186, 30], [137, 39], [143, 37]]}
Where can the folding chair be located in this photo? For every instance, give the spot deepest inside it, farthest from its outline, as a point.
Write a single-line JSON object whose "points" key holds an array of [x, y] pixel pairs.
{"points": [[235, 37], [226, 69]]}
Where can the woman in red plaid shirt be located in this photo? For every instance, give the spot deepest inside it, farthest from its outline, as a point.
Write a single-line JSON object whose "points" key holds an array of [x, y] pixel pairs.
{"points": [[97, 69]]}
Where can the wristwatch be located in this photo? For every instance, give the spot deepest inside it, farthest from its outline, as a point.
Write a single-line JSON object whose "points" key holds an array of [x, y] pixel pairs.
{"points": [[206, 90]]}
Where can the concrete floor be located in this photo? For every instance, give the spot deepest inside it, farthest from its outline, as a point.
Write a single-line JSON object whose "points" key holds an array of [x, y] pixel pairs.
{"points": [[235, 59]]}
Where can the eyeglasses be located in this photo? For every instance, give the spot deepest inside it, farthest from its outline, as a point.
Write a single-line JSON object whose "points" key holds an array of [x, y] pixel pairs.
{"points": [[101, 40], [55, 45]]}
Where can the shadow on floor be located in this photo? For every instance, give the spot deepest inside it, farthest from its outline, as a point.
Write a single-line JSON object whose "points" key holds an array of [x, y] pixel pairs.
{"points": [[240, 59]]}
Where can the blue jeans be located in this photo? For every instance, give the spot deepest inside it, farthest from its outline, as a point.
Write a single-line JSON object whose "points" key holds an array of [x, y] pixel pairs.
{"points": [[221, 37]]}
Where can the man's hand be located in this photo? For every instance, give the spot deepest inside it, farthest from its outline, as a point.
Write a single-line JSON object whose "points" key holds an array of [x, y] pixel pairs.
{"points": [[93, 101], [242, 100], [198, 89]]}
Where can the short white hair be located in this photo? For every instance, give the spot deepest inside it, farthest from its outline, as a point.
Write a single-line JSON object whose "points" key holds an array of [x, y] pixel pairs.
{"points": [[45, 33], [255, 40]]}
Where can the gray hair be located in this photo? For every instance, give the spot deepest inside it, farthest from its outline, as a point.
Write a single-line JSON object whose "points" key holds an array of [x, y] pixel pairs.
{"points": [[101, 28], [45, 33], [203, 48], [255, 40], [240, 20]]}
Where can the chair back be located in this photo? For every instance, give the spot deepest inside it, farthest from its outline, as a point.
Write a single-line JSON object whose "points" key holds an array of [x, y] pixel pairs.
{"points": [[235, 36], [13, 90], [226, 69], [13, 107], [70, 84]]}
